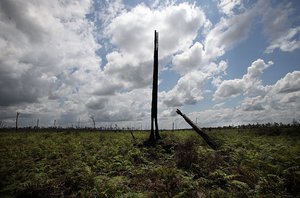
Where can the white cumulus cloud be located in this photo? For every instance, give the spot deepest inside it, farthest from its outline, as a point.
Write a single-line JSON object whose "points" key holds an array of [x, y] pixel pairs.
{"points": [[227, 6], [47, 52], [250, 83], [188, 90], [278, 27]]}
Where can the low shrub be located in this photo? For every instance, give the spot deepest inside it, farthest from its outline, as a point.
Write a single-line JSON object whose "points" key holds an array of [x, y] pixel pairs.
{"points": [[186, 154]]}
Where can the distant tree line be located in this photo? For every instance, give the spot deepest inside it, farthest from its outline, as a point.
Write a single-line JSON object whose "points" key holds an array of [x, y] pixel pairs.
{"points": [[115, 127], [112, 127], [294, 123]]}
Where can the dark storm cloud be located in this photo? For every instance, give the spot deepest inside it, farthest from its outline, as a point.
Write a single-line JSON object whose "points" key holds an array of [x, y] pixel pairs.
{"points": [[16, 13], [19, 88]]}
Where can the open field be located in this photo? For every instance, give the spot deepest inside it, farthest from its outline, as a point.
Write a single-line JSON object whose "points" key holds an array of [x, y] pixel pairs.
{"points": [[248, 163]]}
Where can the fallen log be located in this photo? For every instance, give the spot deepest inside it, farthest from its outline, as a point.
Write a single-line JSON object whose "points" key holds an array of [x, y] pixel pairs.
{"points": [[207, 139]]}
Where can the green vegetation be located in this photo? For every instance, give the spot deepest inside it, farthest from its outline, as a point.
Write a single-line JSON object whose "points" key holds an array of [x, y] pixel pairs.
{"points": [[113, 164]]}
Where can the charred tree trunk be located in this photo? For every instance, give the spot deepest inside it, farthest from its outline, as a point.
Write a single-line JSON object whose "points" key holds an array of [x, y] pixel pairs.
{"points": [[207, 139], [17, 119], [154, 135]]}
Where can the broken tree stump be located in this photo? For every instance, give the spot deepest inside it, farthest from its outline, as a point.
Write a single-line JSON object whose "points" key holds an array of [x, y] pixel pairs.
{"points": [[207, 139]]}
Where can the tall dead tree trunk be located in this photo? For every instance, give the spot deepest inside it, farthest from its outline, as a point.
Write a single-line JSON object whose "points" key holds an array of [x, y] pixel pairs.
{"points": [[207, 139], [154, 135], [93, 119], [17, 119]]}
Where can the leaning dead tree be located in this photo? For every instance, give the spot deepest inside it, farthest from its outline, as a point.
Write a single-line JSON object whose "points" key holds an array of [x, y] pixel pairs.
{"points": [[207, 139], [154, 135]]}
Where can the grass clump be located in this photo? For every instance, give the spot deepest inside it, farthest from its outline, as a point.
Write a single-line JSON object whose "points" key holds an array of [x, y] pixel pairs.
{"points": [[186, 154]]}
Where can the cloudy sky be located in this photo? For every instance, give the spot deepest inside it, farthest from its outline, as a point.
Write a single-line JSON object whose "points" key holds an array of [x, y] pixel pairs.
{"points": [[220, 61]]}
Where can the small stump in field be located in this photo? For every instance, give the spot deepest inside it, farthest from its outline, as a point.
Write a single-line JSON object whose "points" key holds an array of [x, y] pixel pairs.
{"points": [[186, 154]]}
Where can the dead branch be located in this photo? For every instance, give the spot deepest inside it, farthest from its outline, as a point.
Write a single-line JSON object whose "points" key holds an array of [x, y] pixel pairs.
{"points": [[207, 139]]}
